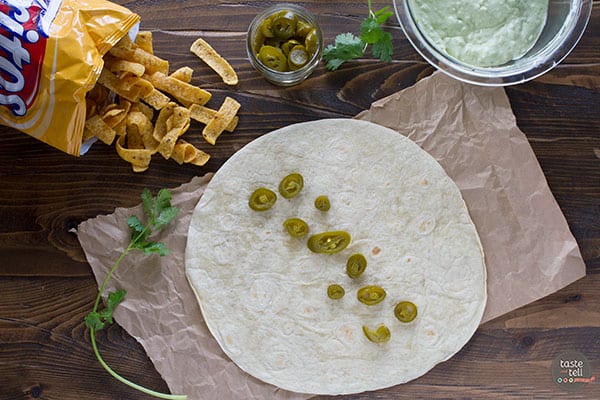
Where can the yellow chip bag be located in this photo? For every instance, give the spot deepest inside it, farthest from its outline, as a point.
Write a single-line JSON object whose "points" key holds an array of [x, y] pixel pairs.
{"points": [[52, 57]]}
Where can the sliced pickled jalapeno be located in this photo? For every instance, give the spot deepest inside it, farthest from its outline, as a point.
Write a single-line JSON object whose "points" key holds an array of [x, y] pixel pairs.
{"points": [[262, 199], [322, 203], [335, 292], [303, 28], [297, 57], [356, 265], [283, 24], [265, 28], [296, 227], [311, 42], [405, 311], [291, 185], [289, 45], [329, 242], [380, 335], [273, 58], [258, 41], [371, 295]]}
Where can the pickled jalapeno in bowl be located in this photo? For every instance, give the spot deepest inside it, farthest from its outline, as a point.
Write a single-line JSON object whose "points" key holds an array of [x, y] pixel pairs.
{"points": [[285, 44]]}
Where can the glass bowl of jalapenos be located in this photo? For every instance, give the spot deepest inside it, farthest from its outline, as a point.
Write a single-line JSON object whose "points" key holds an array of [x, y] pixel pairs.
{"points": [[285, 44]]}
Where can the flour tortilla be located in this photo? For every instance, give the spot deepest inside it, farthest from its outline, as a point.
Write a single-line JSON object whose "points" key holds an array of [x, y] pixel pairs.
{"points": [[263, 294]]}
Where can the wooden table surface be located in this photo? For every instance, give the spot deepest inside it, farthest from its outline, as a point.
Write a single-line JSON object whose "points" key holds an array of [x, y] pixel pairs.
{"points": [[46, 286]]}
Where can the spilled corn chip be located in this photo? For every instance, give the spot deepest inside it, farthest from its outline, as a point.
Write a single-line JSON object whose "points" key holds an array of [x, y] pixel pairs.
{"points": [[185, 93], [144, 41], [160, 126], [220, 120], [177, 124], [205, 115], [144, 109], [185, 152], [183, 74], [100, 129], [139, 132], [121, 67], [218, 64], [157, 99], [138, 158], [128, 50], [131, 88]]}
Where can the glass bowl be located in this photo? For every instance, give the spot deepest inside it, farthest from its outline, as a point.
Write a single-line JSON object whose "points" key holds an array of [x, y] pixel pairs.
{"points": [[566, 21], [287, 78]]}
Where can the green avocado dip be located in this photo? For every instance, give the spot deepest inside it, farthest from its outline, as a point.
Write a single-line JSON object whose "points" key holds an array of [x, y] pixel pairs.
{"points": [[481, 33]]}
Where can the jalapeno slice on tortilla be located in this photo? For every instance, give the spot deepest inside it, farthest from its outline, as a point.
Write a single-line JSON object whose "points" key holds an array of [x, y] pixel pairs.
{"points": [[405, 311], [379, 335], [335, 292], [296, 227], [370, 295], [329, 242], [322, 203], [262, 199], [291, 185], [356, 265]]}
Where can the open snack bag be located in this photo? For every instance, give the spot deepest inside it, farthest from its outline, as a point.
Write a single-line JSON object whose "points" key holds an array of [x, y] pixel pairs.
{"points": [[51, 57]]}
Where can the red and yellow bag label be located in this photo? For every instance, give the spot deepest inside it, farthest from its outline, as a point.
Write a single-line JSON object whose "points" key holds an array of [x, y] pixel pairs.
{"points": [[50, 57]]}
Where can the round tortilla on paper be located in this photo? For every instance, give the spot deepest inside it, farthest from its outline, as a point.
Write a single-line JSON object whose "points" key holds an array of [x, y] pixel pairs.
{"points": [[263, 293]]}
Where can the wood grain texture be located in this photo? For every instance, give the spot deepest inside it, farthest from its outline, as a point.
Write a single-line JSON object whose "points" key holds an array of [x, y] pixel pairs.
{"points": [[46, 285]]}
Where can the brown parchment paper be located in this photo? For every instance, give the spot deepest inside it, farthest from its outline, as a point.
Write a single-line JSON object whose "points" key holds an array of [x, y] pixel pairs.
{"points": [[470, 130]]}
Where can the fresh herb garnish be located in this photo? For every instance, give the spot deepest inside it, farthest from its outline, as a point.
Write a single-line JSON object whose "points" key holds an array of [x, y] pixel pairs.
{"points": [[347, 46], [159, 213]]}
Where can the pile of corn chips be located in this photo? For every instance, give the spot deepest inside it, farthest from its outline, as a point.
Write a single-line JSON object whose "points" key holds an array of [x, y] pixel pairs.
{"points": [[147, 109]]}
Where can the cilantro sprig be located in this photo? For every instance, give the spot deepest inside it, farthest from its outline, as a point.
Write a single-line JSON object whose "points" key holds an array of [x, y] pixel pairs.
{"points": [[159, 213], [348, 46]]}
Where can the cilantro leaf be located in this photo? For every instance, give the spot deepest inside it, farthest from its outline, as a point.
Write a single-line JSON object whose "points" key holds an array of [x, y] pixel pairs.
{"points": [[93, 321], [383, 48], [165, 216], [383, 15], [106, 315], [347, 47], [138, 230], [154, 248], [370, 30], [148, 205], [162, 201], [114, 298], [159, 213], [97, 320]]}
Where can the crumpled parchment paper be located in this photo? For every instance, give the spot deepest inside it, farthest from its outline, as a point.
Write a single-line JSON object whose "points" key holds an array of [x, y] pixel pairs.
{"points": [[530, 252]]}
